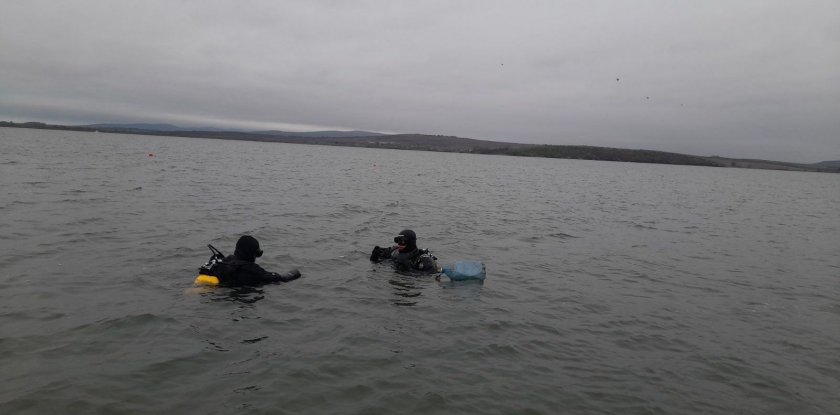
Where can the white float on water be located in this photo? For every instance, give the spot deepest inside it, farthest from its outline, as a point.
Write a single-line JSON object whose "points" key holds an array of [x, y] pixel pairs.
{"points": [[465, 270]]}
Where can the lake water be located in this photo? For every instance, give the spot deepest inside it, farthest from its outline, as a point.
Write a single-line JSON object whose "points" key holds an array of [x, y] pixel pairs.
{"points": [[612, 288]]}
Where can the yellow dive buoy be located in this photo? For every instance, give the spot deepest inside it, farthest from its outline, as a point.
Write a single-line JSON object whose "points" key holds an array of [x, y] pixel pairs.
{"points": [[203, 279]]}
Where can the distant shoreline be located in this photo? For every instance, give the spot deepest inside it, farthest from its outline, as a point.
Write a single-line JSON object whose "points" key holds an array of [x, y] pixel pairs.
{"points": [[457, 145]]}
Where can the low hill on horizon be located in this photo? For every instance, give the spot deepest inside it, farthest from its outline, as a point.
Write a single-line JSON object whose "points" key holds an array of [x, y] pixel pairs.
{"points": [[141, 127], [443, 143], [148, 127], [326, 133], [830, 163]]}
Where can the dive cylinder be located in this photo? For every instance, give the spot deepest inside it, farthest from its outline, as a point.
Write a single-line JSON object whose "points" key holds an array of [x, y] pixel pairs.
{"points": [[465, 270], [204, 272]]}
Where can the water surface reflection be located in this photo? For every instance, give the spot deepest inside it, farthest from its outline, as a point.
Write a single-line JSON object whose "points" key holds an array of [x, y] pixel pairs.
{"points": [[244, 295], [405, 289]]}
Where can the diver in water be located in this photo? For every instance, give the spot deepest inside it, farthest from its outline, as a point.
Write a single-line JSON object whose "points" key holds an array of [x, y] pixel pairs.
{"points": [[406, 256], [241, 268]]}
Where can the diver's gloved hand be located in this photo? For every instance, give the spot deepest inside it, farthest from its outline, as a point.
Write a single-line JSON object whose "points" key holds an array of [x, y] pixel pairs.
{"points": [[289, 276], [293, 274], [379, 254]]}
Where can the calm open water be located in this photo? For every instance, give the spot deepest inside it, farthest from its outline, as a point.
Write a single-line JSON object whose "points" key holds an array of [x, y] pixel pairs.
{"points": [[612, 287]]}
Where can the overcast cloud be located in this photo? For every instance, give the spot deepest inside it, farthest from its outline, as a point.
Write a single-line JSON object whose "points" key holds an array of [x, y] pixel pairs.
{"points": [[757, 79]]}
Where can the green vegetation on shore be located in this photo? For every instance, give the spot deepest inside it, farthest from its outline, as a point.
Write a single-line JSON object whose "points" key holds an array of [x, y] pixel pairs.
{"points": [[457, 144], [605, 154]]}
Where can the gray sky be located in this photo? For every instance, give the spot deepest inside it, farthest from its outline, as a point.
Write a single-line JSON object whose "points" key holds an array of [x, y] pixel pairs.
{"points": [[745, 78]]}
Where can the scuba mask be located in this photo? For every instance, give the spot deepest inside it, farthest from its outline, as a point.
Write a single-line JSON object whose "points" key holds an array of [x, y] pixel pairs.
{"points": [[401, 240]]}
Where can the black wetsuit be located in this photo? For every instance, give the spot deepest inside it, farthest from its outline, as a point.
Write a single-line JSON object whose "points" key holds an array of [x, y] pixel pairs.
{"points": [[235, 271], [241, 268], [409, 260]]}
